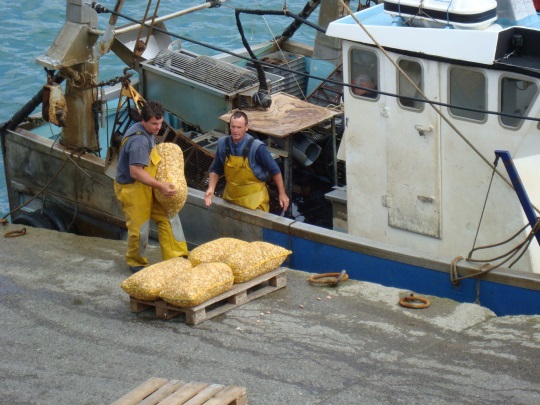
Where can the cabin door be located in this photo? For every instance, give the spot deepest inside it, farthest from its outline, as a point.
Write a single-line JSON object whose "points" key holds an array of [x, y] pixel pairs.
{"points": [[414, 168]]}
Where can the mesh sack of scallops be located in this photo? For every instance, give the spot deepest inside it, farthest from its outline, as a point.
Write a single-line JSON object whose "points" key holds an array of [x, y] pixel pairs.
{"points": [[198, 284], [215, 251], [147, 284], [170, 169], [255, 259]]}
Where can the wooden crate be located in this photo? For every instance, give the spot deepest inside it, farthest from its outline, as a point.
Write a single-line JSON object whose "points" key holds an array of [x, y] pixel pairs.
{"points": [[164, 392], [239, 294]]}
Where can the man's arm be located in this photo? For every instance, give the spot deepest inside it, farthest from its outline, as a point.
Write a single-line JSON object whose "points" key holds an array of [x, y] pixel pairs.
{"points": [[283, 199], [212, 182], [266, 160], [139, 174]]}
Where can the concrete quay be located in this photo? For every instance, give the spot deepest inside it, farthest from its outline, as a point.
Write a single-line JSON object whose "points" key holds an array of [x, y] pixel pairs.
{"points": [[68, 337]]}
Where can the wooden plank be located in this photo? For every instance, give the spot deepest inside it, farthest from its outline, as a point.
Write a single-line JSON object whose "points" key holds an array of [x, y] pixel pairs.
{"points": [[239, 294], [138, 305], [279, 281], [162, 393], [165, 310], [229, 395], [141, 392], [185, 393], [205, 394], [286, 115], [238, 299], [238, 288]]}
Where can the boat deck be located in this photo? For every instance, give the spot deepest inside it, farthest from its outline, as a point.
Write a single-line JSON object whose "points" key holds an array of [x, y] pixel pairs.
{"points": [[73, 339]]}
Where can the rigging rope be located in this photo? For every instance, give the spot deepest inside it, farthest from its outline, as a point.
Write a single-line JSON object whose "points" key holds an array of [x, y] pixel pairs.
{"points": [[486, 267]]}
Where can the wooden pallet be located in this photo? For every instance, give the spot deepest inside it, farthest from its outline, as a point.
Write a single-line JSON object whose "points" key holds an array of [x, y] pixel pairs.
{"points": [[239, 294], [164, 392]]}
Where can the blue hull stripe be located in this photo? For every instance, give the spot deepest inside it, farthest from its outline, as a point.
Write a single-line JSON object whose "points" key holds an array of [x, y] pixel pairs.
{"points": [[314, 257]]}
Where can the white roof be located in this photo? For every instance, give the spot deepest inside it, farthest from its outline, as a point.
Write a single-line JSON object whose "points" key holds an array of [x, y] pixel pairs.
{"points": [[467, 45]]}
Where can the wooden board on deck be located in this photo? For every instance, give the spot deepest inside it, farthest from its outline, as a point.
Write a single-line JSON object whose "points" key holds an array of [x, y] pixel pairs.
{"points": [[239, 294], [286, 115], [164, 392]]}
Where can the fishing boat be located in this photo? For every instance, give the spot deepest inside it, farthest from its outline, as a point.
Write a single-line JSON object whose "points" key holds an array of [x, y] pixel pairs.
{"points": [[397, 117]]}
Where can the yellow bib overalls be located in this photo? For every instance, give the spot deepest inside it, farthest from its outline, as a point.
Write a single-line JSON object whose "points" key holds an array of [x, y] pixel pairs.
{"points": [[243, 187], [139, 206]]}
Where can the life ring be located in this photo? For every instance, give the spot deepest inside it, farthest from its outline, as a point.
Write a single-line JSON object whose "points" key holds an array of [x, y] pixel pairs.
{"points": [[329, 278], [411, 301]]}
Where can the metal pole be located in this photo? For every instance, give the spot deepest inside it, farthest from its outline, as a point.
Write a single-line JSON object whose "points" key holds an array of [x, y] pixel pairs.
{"points": [[519, 188], [334, 152], [168, 17]]}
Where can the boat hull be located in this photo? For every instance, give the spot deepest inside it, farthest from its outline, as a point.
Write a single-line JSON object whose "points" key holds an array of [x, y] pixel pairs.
{"points": [[315, 249]]}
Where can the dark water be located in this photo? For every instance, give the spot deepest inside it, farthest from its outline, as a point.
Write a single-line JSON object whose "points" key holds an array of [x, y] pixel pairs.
{"points": [[29, 27]]}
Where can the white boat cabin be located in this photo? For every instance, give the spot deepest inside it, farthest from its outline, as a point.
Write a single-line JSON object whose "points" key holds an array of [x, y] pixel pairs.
{"points": [[415, 178]]}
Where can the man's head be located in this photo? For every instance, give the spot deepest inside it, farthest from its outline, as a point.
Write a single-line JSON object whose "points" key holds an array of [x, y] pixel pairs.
{"points": [[364, 81], [238, 125], [152, 116]]}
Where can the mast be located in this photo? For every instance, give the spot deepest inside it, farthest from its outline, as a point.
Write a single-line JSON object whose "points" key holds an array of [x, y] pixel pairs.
{"points": [[75, 55]]}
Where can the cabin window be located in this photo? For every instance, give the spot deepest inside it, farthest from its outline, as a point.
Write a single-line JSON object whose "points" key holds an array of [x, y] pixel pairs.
{"points": [[516, 98], [364, 72], [468, 89], [413, 70]]}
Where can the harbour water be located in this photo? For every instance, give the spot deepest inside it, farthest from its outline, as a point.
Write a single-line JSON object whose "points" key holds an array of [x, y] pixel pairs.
{"points": [[29, 27]]}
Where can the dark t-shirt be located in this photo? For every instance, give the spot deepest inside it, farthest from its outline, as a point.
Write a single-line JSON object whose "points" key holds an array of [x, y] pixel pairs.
{"points": [[135, 151]]}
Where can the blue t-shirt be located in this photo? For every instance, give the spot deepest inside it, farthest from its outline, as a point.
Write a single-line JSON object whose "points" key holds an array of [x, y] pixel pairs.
{"points": [[260, 160], [135, 151]]}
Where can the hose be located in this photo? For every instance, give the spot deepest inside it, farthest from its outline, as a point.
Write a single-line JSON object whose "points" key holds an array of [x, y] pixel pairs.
{"points": [[262, 98]]}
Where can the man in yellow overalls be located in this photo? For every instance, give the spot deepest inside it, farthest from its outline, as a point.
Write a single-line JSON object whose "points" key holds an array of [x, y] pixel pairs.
{"points": [[135, 179], [247, 165]]}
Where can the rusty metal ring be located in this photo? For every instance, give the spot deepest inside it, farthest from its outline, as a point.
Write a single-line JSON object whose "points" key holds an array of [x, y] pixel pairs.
{"points": [[411, 301], [329, 278], [14, 234]]}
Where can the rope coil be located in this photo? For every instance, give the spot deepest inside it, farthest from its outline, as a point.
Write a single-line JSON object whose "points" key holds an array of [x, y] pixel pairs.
{"points": [[332, 279]]}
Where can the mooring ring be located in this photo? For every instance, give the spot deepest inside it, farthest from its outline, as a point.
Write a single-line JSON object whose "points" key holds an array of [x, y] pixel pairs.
{"points": [[411, 301], [14, 234], [329, 278]]}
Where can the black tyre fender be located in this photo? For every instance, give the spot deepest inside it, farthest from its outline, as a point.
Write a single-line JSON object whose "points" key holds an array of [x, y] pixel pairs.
{"points": [[34, 219], [59, 218]]}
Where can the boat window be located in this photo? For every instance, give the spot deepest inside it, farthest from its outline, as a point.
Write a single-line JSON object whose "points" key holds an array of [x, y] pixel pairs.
{"points": [[516, 97], [468, 89], [413, 70], [364, 72]]}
